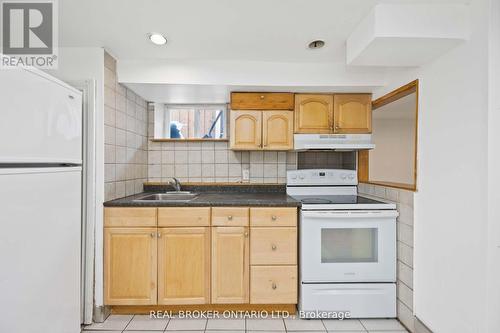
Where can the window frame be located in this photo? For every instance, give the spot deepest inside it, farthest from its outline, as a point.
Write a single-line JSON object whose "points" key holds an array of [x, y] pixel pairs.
{"points": [[364, 156], [223, 106]]}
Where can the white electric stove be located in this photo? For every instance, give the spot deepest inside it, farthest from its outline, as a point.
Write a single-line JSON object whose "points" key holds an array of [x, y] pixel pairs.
{"points": [[347, 246]]}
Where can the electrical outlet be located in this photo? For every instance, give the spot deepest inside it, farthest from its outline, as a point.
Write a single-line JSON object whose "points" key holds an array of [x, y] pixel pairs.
{"points": [[246, 175]]}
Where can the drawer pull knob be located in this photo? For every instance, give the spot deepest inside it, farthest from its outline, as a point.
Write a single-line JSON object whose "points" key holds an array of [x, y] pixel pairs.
{"points": [[159, 235], [246, 233], [153, 235], [274, 218], [273, 247], [230, 217], [262, 96], [274, 286]]}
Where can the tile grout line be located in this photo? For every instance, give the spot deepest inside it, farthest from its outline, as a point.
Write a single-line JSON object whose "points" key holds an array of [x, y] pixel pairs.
{"points": [[128, 323]]}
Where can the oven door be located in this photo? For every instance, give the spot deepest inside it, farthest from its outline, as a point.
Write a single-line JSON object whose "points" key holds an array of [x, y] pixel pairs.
{"points": [[348, 246]]}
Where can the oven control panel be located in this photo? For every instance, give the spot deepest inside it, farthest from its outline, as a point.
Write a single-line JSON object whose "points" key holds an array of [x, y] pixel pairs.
{"points": [[322, 177]]}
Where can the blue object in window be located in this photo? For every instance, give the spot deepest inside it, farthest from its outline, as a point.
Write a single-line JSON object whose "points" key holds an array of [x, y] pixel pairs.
{"points": [[175, 130]]}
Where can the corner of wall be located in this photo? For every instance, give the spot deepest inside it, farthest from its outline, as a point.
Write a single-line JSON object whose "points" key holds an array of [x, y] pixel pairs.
{"points": [[405, 246]]}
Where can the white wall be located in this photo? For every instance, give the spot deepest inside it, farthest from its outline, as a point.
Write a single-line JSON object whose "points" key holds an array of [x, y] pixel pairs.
{"points": [[493, 174], [393, 158], [450, 206], [79, 64]]}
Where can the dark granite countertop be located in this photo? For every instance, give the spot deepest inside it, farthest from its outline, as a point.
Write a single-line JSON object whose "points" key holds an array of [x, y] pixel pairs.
{"points": [[215, 195]]}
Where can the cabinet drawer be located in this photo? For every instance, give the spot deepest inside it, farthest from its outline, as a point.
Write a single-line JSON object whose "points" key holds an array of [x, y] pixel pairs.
{"points": [[273, 246], [230, 216], [261, 101], [129, 217], [273, 285], [183, 216], [271, 217]]}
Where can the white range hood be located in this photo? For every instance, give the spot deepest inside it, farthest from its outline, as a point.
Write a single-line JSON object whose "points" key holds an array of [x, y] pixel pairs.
{"points": [[344, 142]]}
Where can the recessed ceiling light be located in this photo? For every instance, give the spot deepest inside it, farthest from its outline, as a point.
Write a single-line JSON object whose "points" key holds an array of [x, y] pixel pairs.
{"points": [[157, 38], [316, 44]]}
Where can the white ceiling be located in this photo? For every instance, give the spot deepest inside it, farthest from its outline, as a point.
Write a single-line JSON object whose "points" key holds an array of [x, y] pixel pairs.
{"points": [[260, 30]]}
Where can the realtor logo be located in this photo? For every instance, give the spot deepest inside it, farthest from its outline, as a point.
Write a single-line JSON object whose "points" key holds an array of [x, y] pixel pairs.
{"points": [[29, 33]]}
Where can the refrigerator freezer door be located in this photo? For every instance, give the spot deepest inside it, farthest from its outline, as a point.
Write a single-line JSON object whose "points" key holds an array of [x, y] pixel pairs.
{"points": [[41, 119], [40, 217]]}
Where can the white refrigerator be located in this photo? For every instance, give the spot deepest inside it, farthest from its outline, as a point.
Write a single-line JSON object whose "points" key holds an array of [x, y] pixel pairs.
{"points": [[40, 203]]}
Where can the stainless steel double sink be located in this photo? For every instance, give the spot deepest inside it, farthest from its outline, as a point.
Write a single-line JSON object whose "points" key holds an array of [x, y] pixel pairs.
{"points": [[173, 196]]}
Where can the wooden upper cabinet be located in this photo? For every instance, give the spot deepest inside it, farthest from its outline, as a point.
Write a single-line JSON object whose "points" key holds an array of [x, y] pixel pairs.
{"points": [[130, 266], [230, 265], [352, 113], [277, 130], [246, 130], [313, 113], [261, 101], [184, 265]]}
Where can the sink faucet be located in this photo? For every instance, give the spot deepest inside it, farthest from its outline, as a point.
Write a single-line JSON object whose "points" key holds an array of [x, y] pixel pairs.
{"points": [[176, 184]]}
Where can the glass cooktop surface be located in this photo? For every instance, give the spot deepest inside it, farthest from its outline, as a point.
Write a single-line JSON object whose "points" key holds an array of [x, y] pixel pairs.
{"points": [[335, 199]]}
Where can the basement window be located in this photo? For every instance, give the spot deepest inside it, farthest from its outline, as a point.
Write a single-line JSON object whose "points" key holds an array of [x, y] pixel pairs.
{"points": [[190, 122]]}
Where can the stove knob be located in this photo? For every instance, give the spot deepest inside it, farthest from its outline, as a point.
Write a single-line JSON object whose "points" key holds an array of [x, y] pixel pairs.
{"points": [[301, 176], [351, 177], [294, 176], [343, 176]]}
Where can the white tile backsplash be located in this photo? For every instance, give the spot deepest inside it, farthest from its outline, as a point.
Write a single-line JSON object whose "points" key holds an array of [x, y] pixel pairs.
{"points": [[404, 203], [214, 162], [125, 151]]}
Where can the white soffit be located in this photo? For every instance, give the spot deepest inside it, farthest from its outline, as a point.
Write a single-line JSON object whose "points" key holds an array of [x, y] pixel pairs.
{"points": [[407, 35], [219, 94]]}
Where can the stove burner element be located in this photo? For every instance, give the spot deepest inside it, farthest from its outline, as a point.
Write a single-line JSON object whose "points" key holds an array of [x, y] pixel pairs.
{"points": [[315, 201]]}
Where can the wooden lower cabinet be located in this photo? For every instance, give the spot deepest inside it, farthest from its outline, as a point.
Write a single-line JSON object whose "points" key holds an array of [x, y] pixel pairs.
{"points": [[219, 255], [230, 265], [273, 285], [130, 266], [184, 265], [273, 246]]}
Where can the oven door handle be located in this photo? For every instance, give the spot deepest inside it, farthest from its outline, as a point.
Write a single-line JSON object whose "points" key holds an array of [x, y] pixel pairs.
{"points": [[344, 214]]}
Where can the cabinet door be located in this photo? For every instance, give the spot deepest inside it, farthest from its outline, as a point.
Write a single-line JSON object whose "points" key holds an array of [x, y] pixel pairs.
{"points": [[184, 265], [260, 101], [352, 113], [130, 266], [277, 130], [313, 113], [230, 265], [246, 130]]}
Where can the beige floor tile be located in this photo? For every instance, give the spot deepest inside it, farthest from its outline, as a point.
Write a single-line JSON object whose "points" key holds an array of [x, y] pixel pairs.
{"points": [[297, 324], [398, 331], [113, 322], [226, 324], [382, 324], [335, 325], [265, 325], [180, 324], [146, 323]]}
